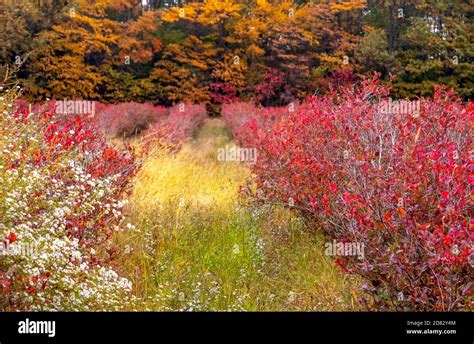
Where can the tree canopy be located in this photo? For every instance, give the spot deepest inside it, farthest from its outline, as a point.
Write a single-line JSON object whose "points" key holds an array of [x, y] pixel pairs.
{"points": [[211, 52]]}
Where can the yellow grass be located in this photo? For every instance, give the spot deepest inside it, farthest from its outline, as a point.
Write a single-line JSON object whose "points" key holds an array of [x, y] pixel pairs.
{"points": [[196, 248]]}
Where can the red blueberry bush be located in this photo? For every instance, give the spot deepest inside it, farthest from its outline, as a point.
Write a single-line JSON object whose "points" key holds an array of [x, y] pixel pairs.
{"points": [[246, 121], [62, 189], [129, 119], [399, 184], [161, 126], [182, 121]]}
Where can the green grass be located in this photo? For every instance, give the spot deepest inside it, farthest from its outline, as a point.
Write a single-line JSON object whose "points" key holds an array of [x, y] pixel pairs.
{"points": [[195, 247]]}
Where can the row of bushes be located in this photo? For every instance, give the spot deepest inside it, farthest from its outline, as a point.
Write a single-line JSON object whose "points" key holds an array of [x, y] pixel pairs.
{"points": [[161, 126], [400, 184], [245, 120], [182, 122], [129, 119], [126, 120]]}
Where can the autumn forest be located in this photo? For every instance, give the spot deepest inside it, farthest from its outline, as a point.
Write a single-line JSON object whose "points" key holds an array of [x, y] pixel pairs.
{"points": [[212, 52]]}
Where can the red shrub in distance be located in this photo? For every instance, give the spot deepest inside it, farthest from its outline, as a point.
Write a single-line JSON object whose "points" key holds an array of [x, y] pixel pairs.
{"points": [[179, 125], [246, 121], [129, 119]]}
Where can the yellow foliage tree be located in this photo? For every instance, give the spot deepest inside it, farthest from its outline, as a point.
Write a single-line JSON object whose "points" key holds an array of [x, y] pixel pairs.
{"points": [[69, 56]]}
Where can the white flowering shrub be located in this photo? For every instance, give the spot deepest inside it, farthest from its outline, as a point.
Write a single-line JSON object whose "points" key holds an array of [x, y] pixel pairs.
{"points": [[61, 191]]}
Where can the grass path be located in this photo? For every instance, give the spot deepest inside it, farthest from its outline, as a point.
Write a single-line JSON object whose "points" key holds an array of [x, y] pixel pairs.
{"points": [[196, 248]]}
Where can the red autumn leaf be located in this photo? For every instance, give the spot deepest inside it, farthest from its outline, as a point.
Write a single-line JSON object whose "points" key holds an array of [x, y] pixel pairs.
{"points": [[447, 240], [12, 237]]}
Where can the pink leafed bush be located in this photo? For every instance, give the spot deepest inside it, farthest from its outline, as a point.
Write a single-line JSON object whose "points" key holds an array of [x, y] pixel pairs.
{"points": [[179, 125], [245, 120], [398, 184], [128, 119]]}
